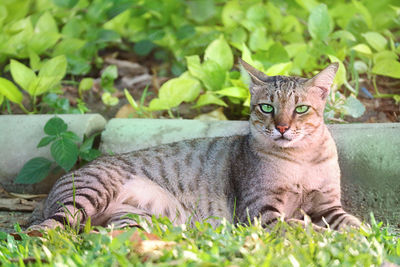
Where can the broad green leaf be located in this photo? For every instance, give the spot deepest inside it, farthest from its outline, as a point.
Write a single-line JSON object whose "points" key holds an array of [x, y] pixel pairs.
{"points": [[295, 48], [71, 136], [175, 91], [209, 99], [68, 46], [66, 3], [307, 4], [110, 73], [342, 34], [210, 73], [21, 74], [258, 39], [387, 67], [46, 23], [46, 34], [34, 61], [232, 13], [375, 40], [85, 84], [319, 23], [234, 91], [90, 155], [384, 55], [10, 91], [357, 5], [65, 153], [363, 49], [340, 77], [280, 69], [46, 140], [353, 107], [220, 52], [131, 100], [34, 171], [1, 99], [55, 126], [200, 11], [50, 74]]}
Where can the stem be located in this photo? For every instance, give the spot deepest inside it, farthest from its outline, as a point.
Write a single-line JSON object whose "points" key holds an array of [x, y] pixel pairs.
{"points": [[351, 89], [375, 87], [34, 104], [23, 108], [170, 114]]}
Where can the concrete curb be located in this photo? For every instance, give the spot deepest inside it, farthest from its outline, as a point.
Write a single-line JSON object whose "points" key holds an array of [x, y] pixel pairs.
{"points": [[19, 136], [369, 155]]}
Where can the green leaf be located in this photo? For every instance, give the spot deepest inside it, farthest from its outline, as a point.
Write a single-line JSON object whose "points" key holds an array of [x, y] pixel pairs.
{"points": [[86, 84], [65, 153], [234, 91], [363, 49], [280, 69], [34, 61], [109, 100], [174, 92], [55, 126], [50, 74], [21, 74], [210, 73], [319, 23], [34, 171], [46, 34], [232, 13], [1, 99], [130, 99], [66, 3], [46, 140], [71, 136], [375, 40], [340, 76], [10, 91], [208, 99], [387, 67], [200, 11], [220, 52], [353, 107], [258, 39], [87, 143], [90, 155]]}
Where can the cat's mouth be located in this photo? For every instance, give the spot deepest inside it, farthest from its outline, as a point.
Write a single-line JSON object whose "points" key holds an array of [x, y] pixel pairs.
{"points": [[282, 137]]}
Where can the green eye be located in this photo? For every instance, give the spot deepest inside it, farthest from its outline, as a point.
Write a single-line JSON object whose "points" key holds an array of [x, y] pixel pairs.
{"points": [[302, 109], [266, 108]]}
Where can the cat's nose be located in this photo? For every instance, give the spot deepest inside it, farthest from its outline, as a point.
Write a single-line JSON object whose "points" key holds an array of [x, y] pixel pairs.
{"points": [[282, 128]]}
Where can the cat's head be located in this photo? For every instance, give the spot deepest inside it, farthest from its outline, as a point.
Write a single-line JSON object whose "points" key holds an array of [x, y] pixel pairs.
{"points": [[288, 111]]}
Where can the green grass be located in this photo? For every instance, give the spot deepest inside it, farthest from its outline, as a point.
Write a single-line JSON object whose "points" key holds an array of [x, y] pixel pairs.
{"points": [[201, 245]]}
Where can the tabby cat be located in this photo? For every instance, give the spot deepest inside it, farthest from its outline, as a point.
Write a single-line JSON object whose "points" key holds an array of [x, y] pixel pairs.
{"points": [[286, 167]]}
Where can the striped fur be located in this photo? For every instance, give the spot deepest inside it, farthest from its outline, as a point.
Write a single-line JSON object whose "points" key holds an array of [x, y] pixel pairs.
{"points": [[266, 174]]}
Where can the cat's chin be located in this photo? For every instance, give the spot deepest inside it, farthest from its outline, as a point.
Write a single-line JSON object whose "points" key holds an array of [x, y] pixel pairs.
{"points": [[283, 142]]}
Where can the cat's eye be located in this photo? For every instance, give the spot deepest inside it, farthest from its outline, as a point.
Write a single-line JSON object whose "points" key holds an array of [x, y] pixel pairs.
{"points": [[266, 108], [302, 109]]}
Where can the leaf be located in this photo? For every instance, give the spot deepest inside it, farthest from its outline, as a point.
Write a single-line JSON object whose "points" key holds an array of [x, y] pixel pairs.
{"points": [[55, 126], [208, 99], [232, 13], [86, 84], [10, 91], [87, 143], [130, 99], [353, 107], [200, 11], [71, 136], [387, 67], [109, 100], [90, 155], [340, 76], [363, 49], [34, 171], [1, 99], [375, 40], [220, 52], [66, 3], [319, 23], [65, 153], [234, 91], [280, 69], [21, 74], [50, 74], [175, 91], [46, 140], [46, 34]]}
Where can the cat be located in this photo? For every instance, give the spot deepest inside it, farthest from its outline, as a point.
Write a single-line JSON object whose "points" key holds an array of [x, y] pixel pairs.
{"points": [[286, 167]]}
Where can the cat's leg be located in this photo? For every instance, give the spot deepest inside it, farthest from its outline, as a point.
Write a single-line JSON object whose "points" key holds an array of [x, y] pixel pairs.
{"points": [[119, 216], [335, 217]]}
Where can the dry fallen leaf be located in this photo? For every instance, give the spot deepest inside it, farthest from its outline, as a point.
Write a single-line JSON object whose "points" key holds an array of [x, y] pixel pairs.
{"points": [[32, 233]]}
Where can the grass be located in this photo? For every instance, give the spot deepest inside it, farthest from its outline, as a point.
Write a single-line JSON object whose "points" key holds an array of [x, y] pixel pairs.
{"points": [[201, 245]]}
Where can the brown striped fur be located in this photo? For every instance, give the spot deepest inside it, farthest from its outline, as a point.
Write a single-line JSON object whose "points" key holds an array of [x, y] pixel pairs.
{"points": [[266, 174]]}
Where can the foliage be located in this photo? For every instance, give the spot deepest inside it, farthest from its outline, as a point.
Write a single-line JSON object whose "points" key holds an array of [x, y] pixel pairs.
{"points": [[64, 151], [201, 40], [225, 245]]}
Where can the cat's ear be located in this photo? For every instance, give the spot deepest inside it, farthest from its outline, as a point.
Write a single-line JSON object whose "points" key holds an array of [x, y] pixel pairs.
{"points": [[257, 77], [324, 79]]}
